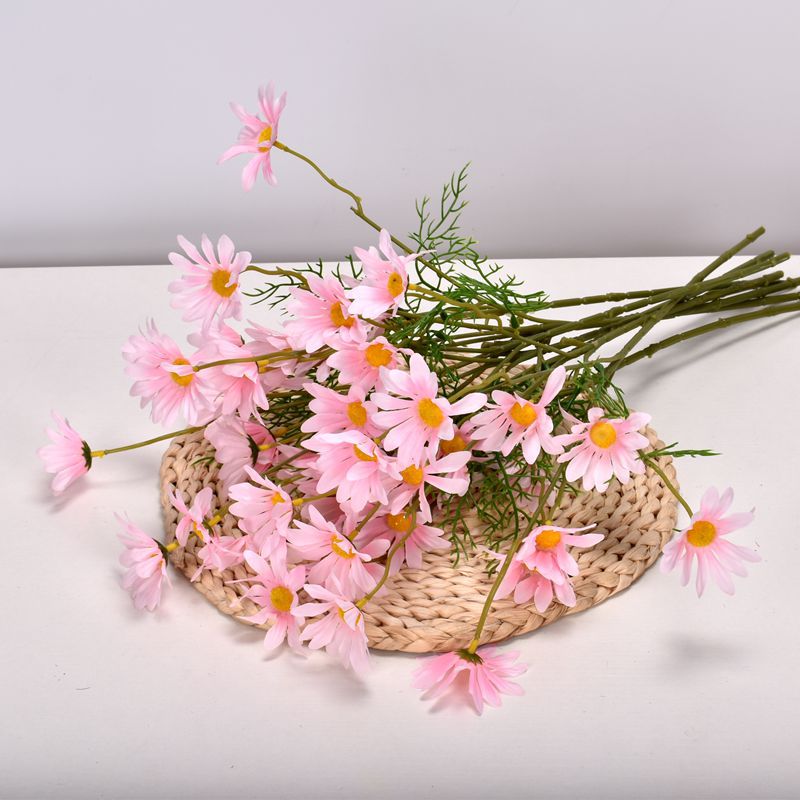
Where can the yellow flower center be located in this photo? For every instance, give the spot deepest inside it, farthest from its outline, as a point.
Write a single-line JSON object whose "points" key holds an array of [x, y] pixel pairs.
{"points": [[701, 534], [399, 522], [181, 380], [276, 498], [395, 284], [603, 434], [454, 445], [547, 539], [338, 318], [356, 413], [264, 137], [430, 413], [341, 552], [523, 414], [361, 455], [281, 598], [219, 283], [412, 475], [377, 355]]}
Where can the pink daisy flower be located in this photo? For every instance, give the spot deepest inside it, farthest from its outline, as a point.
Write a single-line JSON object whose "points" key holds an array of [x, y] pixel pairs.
{"points": [[459, 441], [145, 566], [333, 412], [220, 553], [544, 549], [340, 630], [423, 539], [67, 456], [414, 416], [262, 507], [385, 281], [209, 285], [257, 137], [275, 589], [448, 474], [151, 357], [607, 448], [704, 540], [355, 466], [488, 673], [238, 444], [320, 316], [362, 363], [512, 420], [336, 556], [526, 584], [192, 520]]}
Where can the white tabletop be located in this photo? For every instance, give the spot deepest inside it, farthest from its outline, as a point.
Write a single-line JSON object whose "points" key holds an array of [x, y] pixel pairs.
{"points": [[654, 693]]}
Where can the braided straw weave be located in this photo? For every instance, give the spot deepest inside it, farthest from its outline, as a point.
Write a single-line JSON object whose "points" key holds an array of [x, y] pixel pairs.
{"points": [[436, 608]]}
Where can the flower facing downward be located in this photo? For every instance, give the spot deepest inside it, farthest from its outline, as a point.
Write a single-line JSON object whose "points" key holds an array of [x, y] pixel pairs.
{"points": [[67, 456], [606, 448], [145, 566], [220, 553], [340, 630], [209, 286], [192, 520], [385, 280], [487, 671], [413, 414], [264, 510], [544, 550], [704, 540], [257, 137]]}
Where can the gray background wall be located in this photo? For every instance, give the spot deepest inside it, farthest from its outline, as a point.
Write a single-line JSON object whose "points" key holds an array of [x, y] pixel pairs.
{"points": [[595, 128]]}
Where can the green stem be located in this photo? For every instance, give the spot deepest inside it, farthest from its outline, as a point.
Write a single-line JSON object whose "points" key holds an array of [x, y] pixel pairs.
{"points": [[146, 442], [667, 482]]}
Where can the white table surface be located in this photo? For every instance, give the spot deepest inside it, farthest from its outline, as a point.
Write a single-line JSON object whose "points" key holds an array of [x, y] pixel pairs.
{"points": [[652, 694]]}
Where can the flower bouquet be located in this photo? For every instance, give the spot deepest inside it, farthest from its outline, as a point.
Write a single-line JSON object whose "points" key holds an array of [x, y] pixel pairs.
{"points": [[425, 456]]}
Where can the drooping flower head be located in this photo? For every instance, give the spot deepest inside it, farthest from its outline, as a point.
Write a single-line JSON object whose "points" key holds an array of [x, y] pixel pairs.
{"points": [[321, 316], [605, 448], [705, 541], [526, 583], [145, 566], [220, 553], [263, 508], [544, 549], [383, 287], [258, 136], [413, 414], [152, 357], [209, 286], [488, 672], [340, 630], [512, 420], [275, 589], [192, 519], [67, 456]]}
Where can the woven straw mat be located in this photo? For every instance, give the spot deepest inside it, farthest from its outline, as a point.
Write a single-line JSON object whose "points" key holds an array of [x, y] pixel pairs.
{"points": [[436, 608]]}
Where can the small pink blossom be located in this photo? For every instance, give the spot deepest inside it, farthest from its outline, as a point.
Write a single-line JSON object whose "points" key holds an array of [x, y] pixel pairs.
{"points": [[151, 358], [488, 672], [525, 584], [321, 316], [332, 412], [385, 280], [362, 363], [263, 508], [209, 287], [704, 540], [606, 448], [67, 456], [238, 444], [512, 420], [275, 589], [257, 137], [355, 466], [394, 527], [220, 553], [544, 549], [340, 630], [192, 520], [336, 556], [413, 414], [146, 566], [448, 474]]}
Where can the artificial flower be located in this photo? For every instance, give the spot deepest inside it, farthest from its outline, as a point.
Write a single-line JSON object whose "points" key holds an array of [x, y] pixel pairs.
{"points": [[257, 137], [192, 520], [705, 541], [67, 456], [262, 507], [448, 474], [145, 566], [332, 412], [544, 549], [220, 553], [362, 363]]}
